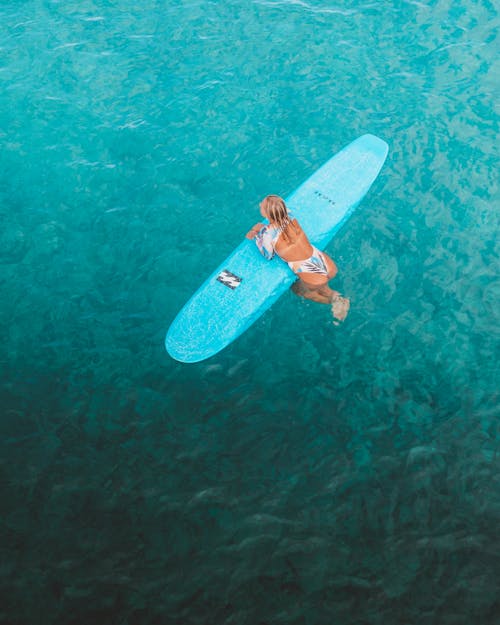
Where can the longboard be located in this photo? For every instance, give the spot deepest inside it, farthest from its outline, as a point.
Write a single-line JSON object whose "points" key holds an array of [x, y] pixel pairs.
{"points": [[245, 285]]}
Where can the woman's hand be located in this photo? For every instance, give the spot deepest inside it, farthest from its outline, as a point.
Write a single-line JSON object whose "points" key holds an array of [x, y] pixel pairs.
{"points": [[251, 234]]}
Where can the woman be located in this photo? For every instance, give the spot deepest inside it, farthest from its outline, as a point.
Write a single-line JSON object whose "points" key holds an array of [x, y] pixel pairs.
{"points": [[314, 268]]}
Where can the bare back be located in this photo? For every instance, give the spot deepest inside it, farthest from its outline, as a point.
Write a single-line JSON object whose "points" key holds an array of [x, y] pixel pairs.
{"points": [[295, 246]]}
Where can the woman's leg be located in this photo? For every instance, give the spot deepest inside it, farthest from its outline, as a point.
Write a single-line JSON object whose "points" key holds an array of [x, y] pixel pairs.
{"points": [[321, 293]]}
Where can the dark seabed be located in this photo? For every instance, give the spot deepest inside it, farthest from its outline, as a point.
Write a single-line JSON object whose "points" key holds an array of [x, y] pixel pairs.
{"points": [[308, 474]]}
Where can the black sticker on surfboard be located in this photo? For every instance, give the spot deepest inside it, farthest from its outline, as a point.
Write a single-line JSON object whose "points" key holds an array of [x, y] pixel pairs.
{"points": [[229, 279]]}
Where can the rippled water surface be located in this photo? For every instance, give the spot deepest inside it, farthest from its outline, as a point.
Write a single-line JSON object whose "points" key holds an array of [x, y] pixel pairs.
{"points": [[308, 474]]}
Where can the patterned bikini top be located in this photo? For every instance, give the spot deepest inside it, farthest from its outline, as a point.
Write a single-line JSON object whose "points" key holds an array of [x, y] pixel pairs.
{"points": [[267, 238]]}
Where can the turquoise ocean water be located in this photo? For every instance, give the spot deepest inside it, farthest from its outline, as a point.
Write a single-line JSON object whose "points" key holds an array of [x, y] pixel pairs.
{"points": [[308, 474]]}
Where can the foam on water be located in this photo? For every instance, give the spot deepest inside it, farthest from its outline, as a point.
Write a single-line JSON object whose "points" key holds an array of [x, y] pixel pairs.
{"points": [[308, 473]]}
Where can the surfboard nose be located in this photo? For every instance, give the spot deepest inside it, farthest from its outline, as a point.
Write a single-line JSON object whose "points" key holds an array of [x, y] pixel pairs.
{"points": [[375, 144]]}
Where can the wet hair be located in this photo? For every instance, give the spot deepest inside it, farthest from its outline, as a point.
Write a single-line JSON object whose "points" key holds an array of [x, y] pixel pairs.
{"points": [[275, 208]]}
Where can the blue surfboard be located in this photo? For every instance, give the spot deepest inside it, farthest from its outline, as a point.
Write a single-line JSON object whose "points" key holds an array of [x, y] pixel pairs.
{"points": [[245, 285]]}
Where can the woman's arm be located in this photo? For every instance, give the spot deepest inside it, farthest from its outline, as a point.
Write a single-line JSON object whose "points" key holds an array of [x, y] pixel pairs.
{"points": [[251, 234]]}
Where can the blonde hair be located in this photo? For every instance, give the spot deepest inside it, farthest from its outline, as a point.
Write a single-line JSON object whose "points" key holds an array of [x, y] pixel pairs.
{"points": [[275, 208]]}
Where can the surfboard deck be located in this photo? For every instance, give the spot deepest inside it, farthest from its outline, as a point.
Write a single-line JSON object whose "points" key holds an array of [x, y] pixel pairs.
{"points": [[245, 285]]}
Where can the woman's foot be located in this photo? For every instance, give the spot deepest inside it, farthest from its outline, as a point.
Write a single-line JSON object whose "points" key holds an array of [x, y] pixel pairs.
{"points": [[340, 308]]}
